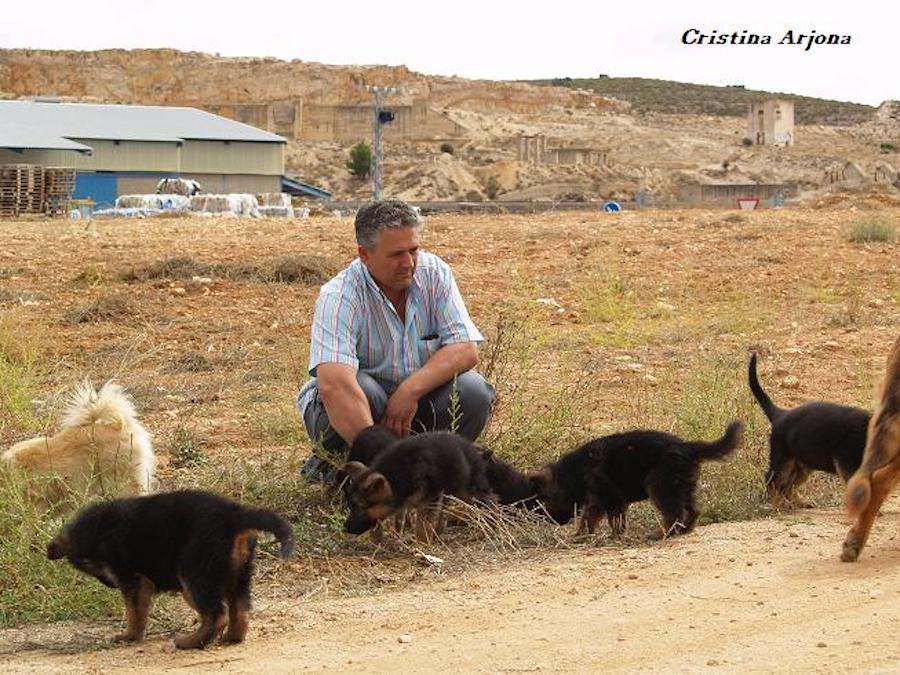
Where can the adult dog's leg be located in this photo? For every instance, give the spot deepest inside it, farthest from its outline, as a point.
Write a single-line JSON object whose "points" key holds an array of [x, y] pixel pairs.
{"points": [[883, 481]]}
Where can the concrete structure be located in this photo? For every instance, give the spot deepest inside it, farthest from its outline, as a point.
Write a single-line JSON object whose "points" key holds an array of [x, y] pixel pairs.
{"points": [[350, 123], [120, 149], [771, 122], [846, 172], [534, 150], [728, 194]]}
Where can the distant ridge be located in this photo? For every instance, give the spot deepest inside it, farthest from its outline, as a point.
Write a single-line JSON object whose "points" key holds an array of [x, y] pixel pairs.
{"points": [[664, 96]]}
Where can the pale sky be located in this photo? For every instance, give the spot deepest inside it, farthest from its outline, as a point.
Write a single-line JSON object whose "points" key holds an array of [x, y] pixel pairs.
{"points": [[503, 40]]}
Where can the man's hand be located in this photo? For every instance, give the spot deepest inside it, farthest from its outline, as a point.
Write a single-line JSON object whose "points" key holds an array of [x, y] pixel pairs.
{"points": [[438, 370], [400, 410]]}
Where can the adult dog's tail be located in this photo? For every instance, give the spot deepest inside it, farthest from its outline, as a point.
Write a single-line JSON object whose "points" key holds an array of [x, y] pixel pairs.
{"points": [[720, 448], [882, 446], [269, 521], [772, 411], [109, 407]]}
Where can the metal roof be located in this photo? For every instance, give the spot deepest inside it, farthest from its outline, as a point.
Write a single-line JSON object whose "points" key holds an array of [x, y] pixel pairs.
{"points": [[52, 124], [294, 186], [17, 136]]}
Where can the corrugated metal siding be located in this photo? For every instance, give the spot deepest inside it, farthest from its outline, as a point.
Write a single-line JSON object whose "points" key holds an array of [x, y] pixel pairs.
{"points": [[232, 158], [101, 187], [132, 156], [213, 157]]}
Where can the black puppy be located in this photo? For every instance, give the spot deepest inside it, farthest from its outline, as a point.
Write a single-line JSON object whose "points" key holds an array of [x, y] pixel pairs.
{"points": [[607, 474], [190, 541], [816, 436], [510, 485], [369, 443], [415, 472]]}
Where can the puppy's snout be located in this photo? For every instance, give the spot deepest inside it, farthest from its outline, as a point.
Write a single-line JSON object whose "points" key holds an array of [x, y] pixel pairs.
{"points": [[357, 523], [57, 548]]}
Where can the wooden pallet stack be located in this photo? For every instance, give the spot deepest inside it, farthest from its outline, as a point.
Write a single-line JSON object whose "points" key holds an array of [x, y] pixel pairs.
{"points": [[21, 189], [59, 185]]}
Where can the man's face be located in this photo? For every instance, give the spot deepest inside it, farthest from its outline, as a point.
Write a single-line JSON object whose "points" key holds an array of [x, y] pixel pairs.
{"points": [[392, 262]]}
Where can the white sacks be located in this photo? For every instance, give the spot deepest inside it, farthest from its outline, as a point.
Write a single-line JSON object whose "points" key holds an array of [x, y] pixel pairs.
{"points": [[242, 205], [163, 202]]}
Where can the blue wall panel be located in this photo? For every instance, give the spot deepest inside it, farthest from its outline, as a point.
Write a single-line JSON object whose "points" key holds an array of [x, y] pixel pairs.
{"points": [[103, 188]]}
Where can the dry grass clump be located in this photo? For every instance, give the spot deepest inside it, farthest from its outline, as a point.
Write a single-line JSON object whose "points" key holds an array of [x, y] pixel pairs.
{"points": [[176, 267], [107, 307], [291, 269]]}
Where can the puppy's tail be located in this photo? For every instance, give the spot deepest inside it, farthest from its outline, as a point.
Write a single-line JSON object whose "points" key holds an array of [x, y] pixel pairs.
{"points": [[269, 521], [772, 411], [109, 407], [722, 447]]}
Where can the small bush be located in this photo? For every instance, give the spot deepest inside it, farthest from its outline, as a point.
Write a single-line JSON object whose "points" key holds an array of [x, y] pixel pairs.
{"points": [[360, 162], [185, 450], [747, 141], [872, 231], [446, 147], [492, 188]]}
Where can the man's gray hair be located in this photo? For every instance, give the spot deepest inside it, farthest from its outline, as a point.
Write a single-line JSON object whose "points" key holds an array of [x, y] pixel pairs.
{"points": [[376, 217]]}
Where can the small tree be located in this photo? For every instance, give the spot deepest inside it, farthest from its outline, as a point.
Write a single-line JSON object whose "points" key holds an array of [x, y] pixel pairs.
{"points": [[360, 162]]}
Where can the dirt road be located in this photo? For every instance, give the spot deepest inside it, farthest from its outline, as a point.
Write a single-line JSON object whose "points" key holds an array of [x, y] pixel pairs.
{"points": [[767, 595]]}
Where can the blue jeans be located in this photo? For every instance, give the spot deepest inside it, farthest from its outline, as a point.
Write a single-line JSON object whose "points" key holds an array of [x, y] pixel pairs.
{"points": [[475, 394]]}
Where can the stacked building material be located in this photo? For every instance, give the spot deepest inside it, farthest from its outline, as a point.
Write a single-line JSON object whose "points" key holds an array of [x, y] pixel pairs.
{"points": [[59, 185], [21, 189]]}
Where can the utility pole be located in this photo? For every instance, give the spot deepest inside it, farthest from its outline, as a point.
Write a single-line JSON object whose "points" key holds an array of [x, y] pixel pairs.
{"points": [[381, 118]]}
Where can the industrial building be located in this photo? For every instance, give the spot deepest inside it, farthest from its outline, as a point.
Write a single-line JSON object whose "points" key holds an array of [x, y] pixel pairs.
{"points": [[127, 149]]}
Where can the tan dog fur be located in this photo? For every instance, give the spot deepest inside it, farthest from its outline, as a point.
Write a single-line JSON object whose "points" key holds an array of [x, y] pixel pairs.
{"points": [[100, 449], [880, 468]]}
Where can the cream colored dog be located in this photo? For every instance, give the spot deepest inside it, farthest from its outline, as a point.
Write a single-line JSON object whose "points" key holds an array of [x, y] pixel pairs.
{"points": [[101, 449]]}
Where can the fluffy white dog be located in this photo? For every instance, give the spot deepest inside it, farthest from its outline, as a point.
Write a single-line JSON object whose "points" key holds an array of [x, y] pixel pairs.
{"points": [[101, 449]]}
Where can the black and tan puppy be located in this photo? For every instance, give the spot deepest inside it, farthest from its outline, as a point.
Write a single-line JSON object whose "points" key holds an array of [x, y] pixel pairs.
{"points": [[190, 541], [815, 436], [607, 474], [415, 473], [369, 443], [510, 485]]}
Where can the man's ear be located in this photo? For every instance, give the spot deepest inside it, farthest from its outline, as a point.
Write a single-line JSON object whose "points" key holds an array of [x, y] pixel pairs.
{"points": [[363, 253]]}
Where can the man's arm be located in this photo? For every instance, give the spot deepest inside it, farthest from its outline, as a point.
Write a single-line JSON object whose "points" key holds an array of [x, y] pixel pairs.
{"points": [[344, 400], [438, 370]]}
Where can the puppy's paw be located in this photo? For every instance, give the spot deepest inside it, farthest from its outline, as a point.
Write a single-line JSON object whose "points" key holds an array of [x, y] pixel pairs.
{"points": [[126, 637]]}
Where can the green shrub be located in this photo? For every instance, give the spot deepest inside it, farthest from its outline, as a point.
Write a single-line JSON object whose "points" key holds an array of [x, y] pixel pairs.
{"points": [[360, 163]]}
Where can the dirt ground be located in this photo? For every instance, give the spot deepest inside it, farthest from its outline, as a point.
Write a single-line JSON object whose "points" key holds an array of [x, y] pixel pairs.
{"points": [[765, 596], [221, 353]]}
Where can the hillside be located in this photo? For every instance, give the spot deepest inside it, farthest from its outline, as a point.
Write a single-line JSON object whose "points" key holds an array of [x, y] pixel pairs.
{"points": [[663, 96], [458, 139]]}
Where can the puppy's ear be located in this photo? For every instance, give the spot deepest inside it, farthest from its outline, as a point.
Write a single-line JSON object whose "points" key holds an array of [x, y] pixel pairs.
{"points": [[486, 453], [354, 469], [59, 546], [378, 489]]}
